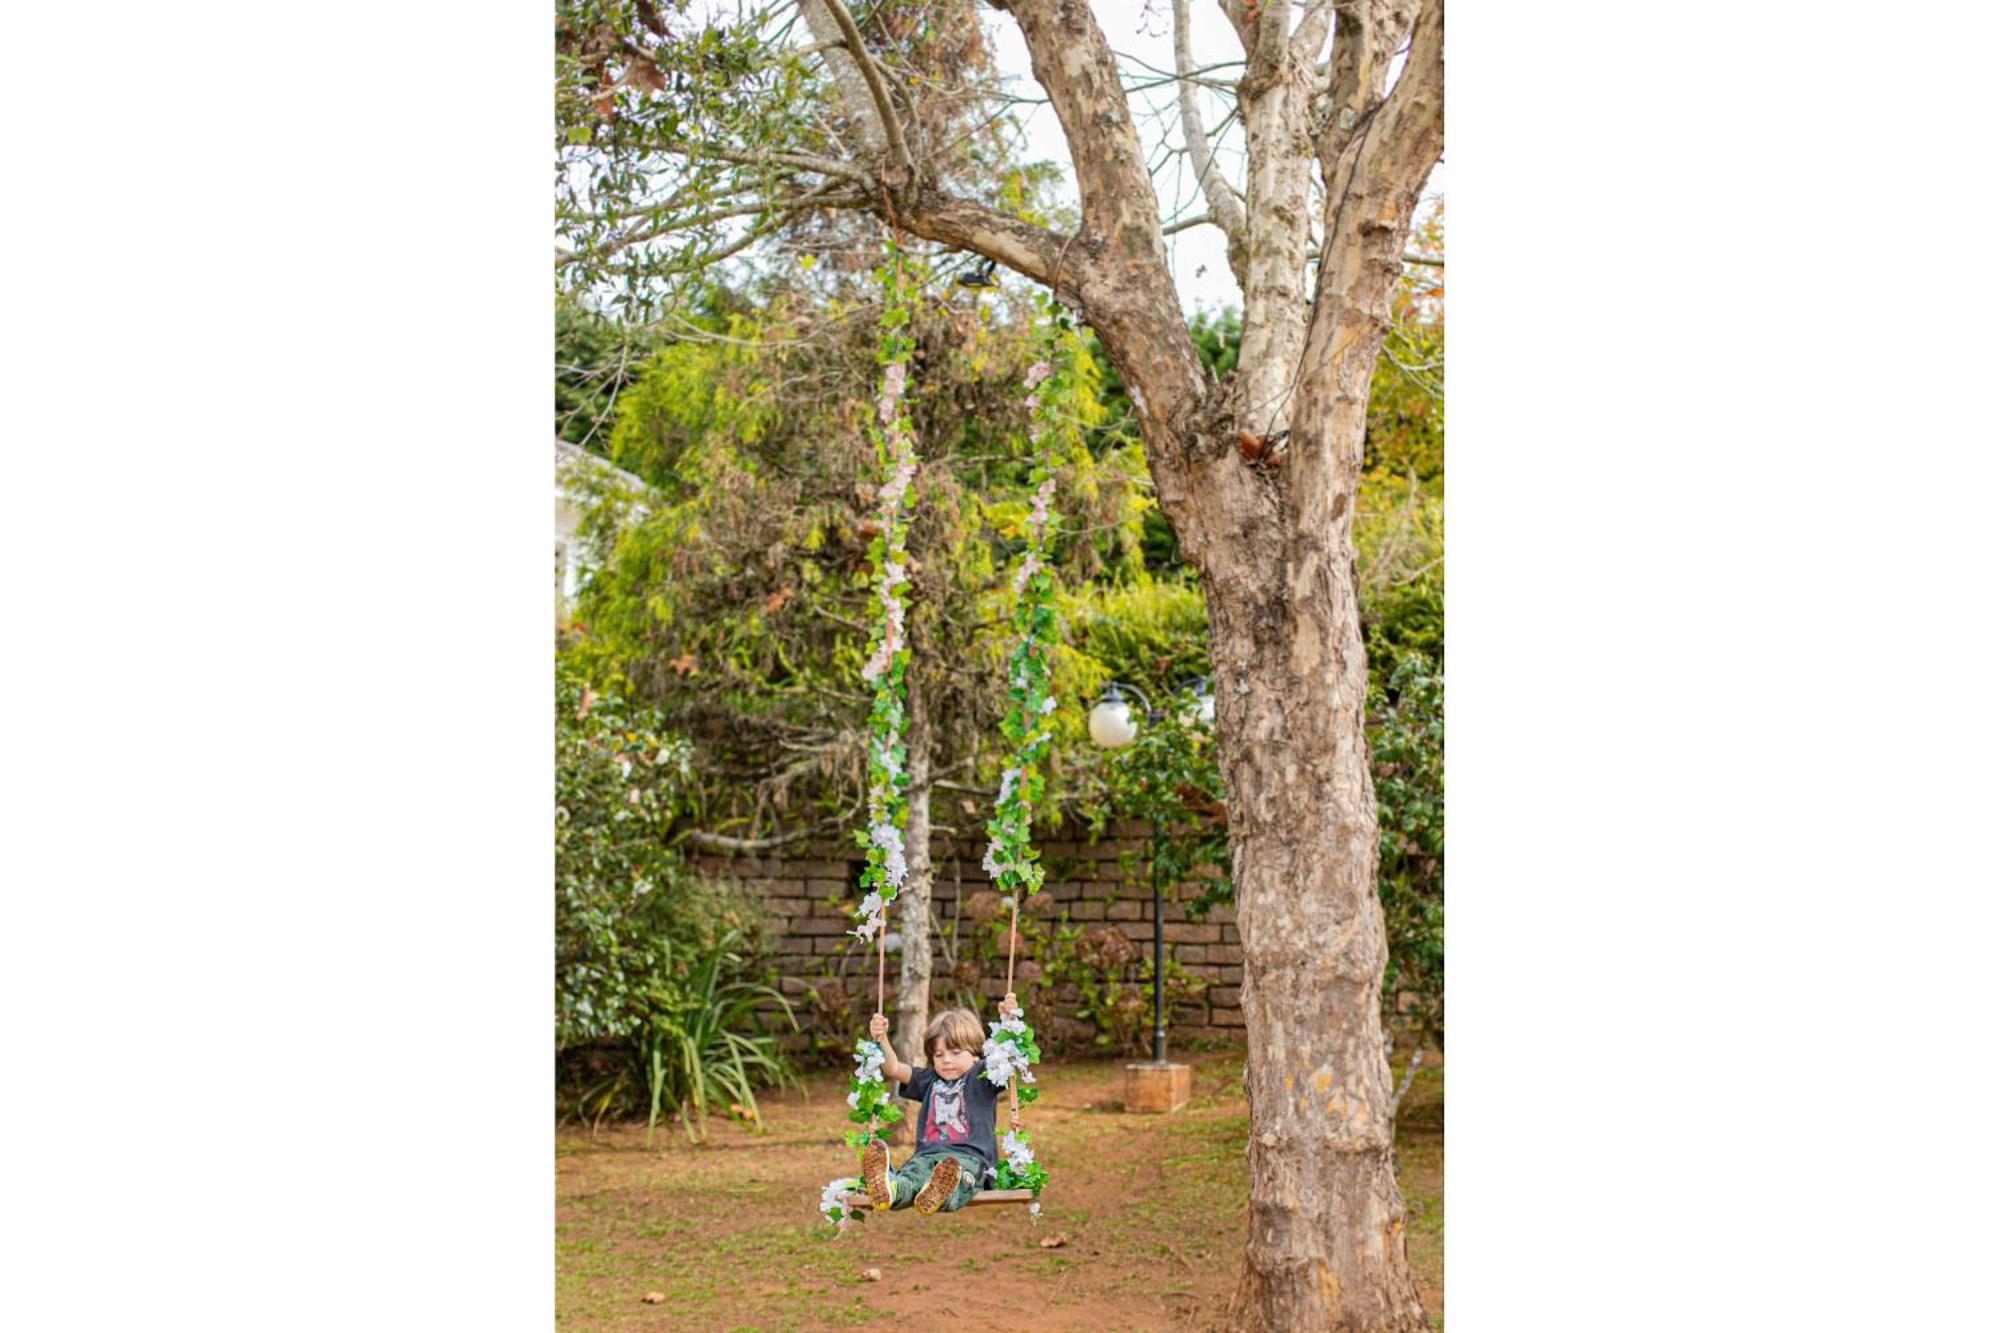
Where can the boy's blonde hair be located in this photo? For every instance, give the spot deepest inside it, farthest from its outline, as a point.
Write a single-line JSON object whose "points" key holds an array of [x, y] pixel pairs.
{"points": [[954, 1030]]}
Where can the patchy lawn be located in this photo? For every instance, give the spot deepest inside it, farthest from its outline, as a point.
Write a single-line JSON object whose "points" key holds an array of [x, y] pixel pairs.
{"points": [[1149, 1211]]}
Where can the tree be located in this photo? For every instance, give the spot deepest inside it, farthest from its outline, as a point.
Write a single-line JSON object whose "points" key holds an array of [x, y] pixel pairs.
{"points": [[667, 126], [736, 602]]}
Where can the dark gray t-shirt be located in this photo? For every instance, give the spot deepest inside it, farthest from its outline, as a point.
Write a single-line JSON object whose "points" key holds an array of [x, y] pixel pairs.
{"points": [[956, 1114]]}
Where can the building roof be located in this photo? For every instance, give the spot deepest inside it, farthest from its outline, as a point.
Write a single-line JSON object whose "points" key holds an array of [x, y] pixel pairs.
{"points": [[574, 456]]}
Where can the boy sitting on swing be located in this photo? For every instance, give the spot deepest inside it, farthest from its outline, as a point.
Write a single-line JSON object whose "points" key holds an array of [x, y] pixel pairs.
{"points": [[955, 1154]]}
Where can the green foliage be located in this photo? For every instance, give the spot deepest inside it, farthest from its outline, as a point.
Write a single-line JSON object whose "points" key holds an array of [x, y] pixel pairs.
{"points": [[659, 971], [1113, 981], [1011, 858], [700, 1044], [1153, 633], [1408, 751], [1034, 1176], [596, 358], [693, 406]]}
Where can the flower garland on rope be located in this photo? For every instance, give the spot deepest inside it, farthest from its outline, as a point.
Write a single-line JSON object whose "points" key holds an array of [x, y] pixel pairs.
{"points": [[870, 1108], [1011, 859], [895, 446]]}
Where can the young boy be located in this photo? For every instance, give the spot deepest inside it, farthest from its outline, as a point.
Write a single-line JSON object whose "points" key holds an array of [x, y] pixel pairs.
{"points": [[955, 1154]]}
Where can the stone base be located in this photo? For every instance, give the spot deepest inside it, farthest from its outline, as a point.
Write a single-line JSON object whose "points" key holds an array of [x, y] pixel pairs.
{"points": [[1157, 1088]]}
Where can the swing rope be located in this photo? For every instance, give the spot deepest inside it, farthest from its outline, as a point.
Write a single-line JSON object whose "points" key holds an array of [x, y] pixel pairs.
{"points": [[1013, 936], [1031, 663]]}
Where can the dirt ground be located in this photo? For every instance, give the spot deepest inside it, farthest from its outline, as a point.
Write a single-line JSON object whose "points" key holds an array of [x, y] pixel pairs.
{"points": [[1142, 1221]]}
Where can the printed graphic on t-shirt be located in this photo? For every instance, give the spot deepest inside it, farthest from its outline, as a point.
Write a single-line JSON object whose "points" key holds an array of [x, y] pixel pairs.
{"points": [[946, 1122]]}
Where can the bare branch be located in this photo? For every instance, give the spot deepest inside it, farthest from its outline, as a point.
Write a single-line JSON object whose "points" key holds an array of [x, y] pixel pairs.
{"points": [[1405, 137], [1409, 1077], [666, 225], [1311, 35], [1366, 36], [1074, 65], [721, 842], [1036, 252], [857, 97], [871, 72], [1223, 209]]}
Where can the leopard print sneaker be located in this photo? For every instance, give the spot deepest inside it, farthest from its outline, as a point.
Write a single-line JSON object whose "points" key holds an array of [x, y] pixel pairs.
{"points": [[875, 1174], [944, 1179]]}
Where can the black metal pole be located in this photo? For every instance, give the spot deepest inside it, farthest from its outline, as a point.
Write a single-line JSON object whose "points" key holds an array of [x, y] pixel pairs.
{"points": [[1159, 957]]}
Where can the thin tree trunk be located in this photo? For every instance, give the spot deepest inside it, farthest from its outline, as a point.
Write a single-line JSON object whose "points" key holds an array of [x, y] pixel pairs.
{"points": [[913, 987]]}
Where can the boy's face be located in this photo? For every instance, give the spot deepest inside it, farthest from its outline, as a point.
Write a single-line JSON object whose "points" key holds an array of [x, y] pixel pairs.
{"points": [[951, 1062]]}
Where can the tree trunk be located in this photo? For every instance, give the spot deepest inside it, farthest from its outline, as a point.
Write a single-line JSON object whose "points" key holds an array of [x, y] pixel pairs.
{"points": [[1326, 1217], [913, 988]]}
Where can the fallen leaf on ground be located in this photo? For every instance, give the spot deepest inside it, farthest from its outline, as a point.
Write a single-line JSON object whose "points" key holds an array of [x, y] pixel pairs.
{"points": [[872, 1274], [1054, 1242], [655, 1298]]}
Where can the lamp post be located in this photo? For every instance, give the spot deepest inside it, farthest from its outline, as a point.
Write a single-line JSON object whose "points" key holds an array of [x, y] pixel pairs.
{"points": [[1112, 728]]}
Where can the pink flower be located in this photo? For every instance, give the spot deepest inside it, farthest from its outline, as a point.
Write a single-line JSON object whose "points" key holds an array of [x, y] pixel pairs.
{"points": [[892, 390]]}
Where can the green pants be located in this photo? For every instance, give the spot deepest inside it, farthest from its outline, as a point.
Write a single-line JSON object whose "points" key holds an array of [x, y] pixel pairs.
{"points": [[913, 1175]]}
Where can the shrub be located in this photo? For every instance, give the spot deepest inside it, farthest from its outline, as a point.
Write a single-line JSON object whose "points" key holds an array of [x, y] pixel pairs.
{"points": [[661, 973]]}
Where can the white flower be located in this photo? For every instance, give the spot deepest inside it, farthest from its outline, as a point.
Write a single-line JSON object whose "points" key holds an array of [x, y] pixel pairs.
{"points": [[1019, 1155], [854, 1101], [1002, 1059], [1007, 781], [871, 915], [1038, 372], [833, 1199], [1035, 1208], [894, 864], [1048, 705], [991, 865]]}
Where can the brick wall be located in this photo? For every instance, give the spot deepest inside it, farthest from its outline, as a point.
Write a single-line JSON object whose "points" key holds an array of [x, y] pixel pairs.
{"points": [[811, 892]]}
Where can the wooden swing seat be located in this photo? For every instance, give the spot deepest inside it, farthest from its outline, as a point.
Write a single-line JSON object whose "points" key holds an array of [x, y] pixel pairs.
{"points": [[859, 1203]]}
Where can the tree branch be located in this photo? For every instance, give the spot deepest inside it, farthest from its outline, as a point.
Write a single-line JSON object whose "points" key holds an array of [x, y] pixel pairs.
{"points": [[1075, 66], [722, 842], [1036, 252], [1311, 35], [1405, 137], [1366, 36], [1223, 209], [856, 94], [878, 89]]}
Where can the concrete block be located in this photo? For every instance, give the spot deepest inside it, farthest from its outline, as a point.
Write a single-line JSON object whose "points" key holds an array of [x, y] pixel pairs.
{"points": [[1152, 1089]]}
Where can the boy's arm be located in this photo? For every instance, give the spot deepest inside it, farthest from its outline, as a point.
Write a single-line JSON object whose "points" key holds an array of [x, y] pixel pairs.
{"points": [[892, 1068]]}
